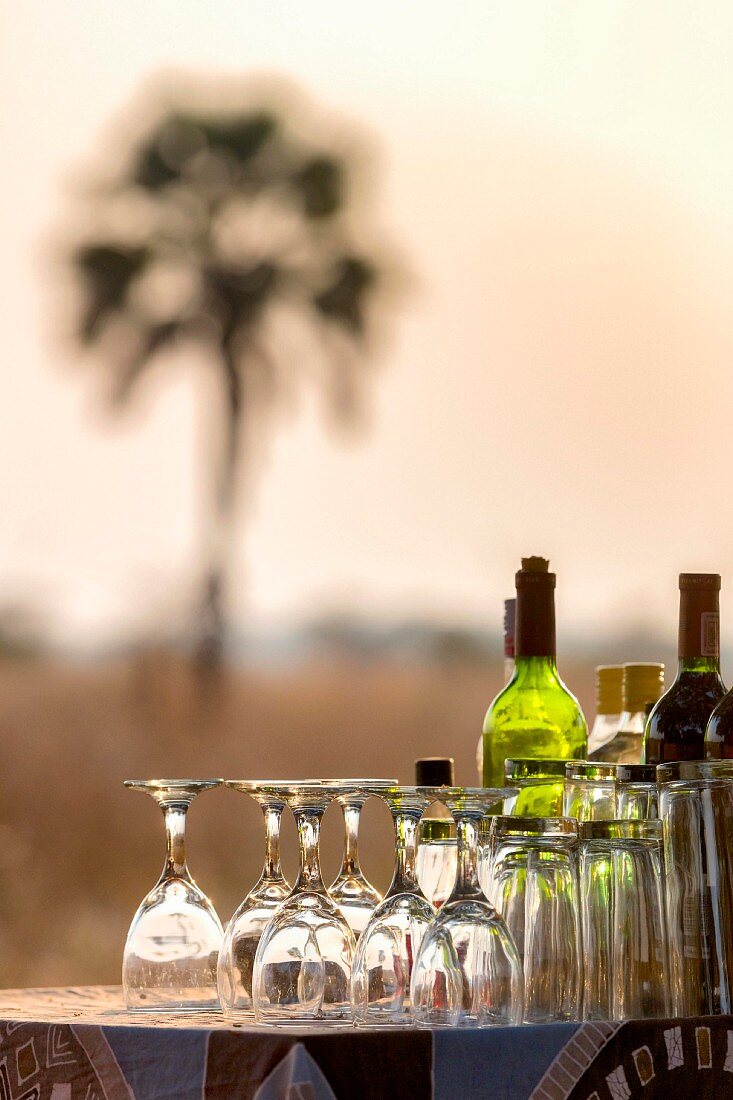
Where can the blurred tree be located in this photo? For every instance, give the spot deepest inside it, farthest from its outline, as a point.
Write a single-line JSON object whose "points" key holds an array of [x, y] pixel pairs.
{"points": [[221, 222]]}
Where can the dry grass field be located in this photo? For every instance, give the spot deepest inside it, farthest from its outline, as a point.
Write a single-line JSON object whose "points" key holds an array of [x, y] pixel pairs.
{"points": [[78, 852]]}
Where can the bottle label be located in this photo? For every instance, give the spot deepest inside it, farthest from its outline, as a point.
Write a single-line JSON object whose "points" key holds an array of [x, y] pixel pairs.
{"points": [[709, 634]]}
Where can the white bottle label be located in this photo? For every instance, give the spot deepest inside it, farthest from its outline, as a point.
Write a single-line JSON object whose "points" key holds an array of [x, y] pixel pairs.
{"points": [[709, 634]]}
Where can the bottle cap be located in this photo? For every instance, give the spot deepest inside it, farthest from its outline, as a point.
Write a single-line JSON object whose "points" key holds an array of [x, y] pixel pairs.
{"points": [[535, 609], [535, 571], [434, 771], [708, 581], [699, 632], [642, 683], [608, 689]]}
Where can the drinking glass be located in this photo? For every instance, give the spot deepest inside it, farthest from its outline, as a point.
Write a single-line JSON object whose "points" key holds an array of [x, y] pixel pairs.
{"points": [[467, 972], [696, 805], [636, 792], [242, 934], [380, 984], [534, 872], [171, 950], [302, 968], [590, 791], [352, 892], [622, 915], [541, 784]]}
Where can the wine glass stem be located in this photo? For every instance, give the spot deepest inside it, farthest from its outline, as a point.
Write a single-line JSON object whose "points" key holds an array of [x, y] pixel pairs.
{"points": [[272, 868], [175, 831], [468, 827], [404, 879], [308, 820], [351, 851]]}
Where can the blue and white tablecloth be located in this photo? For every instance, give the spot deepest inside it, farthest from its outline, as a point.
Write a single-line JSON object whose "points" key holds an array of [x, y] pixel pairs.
{"points": [[80, 1044]]}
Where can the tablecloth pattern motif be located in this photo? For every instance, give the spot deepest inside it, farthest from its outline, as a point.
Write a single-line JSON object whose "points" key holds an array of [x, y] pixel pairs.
{"points": [[80, 1044]]}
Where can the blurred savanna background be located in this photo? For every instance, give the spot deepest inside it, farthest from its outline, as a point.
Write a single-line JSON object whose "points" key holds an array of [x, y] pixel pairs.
{"points": [[317, 319]]}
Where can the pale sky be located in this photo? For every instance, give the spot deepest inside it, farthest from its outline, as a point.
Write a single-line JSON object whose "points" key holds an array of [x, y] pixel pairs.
{"points": [[560, 179]]}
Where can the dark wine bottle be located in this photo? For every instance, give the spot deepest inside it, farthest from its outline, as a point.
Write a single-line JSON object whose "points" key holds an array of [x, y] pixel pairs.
{"points": [[675, 729], [719, 734]]}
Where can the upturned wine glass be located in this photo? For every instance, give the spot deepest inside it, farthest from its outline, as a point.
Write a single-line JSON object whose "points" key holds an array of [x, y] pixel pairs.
{"points": [[174, 939], [242, 934], [467, 972], [351, 890], [302, 969], [380, 984]]}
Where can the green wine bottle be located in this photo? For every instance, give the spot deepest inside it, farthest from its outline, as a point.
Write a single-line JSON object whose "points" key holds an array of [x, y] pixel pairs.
{"points": [[535, 716]]}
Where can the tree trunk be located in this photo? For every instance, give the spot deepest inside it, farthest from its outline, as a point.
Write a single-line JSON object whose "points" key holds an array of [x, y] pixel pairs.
{"points": [[211, 632]]}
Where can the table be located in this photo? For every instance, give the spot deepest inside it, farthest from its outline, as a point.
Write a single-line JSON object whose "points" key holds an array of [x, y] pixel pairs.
{"points": [[80, 1044]]}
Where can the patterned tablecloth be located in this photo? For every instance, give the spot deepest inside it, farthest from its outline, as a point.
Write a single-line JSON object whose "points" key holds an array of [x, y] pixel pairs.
{"points": [[80, 1044]]}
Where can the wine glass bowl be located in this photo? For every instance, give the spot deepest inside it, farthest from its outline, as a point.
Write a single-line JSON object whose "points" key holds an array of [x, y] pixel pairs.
{"points": [[235, 966], [172, 946], [302, 967], [380, 985]]}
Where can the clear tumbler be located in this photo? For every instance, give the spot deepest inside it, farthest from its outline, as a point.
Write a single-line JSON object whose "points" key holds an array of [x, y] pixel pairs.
{"points": [[636, 792], [590, 791], [622, 914], [696, 806], [534, 884], [540, 784]]}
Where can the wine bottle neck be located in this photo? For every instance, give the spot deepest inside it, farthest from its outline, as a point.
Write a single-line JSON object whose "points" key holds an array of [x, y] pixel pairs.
{"points": [[535, 671], [709, 666], [699, 631], [535, 617]]}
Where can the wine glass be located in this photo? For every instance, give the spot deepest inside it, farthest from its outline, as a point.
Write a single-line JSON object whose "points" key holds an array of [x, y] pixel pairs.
{"points": [[351, 890], [242, 934], [380, 983], [174, 939], [302, 969], [467, 972]]}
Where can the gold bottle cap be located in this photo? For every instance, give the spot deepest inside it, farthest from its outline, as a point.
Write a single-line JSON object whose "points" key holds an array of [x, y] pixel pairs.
{"points": [[642, 683], [608, 689]]}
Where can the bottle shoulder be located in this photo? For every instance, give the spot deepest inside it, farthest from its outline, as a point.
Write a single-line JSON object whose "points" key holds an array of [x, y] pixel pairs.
{"points": [[724, 709], [720, 723], [686, 692], [521, 702], [683, 712]]}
